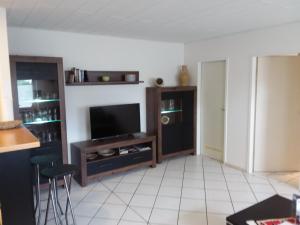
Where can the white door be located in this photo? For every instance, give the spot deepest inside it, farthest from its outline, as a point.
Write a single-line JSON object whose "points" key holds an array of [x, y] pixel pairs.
{"points": [[213, 108], [277, 120]]}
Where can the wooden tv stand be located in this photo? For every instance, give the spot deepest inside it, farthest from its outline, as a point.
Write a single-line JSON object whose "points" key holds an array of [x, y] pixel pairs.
{"points": [[102, 166]]}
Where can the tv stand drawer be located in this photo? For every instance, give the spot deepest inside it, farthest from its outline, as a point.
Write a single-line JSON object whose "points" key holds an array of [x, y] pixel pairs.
{"points": [[137, 158], [119, 162]]}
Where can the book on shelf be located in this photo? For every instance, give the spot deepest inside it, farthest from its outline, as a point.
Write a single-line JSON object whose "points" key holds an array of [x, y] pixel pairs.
{"points": [[77, 76]]}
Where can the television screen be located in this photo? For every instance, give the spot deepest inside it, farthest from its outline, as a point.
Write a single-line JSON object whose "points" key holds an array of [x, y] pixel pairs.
{"points": [[114, 120]]}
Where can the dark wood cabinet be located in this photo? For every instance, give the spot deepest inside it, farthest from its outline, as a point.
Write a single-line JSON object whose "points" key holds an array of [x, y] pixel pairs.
{"points": [[39, 101], [102, 166], [171, 116]]}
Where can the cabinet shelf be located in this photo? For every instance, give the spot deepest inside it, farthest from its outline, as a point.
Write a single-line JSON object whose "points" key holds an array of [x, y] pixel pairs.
{"points": [[41, 100], [171, 111], [42, 122]]}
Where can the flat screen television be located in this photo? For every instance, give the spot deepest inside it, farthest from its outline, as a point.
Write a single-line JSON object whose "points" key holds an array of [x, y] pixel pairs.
{"points": [[114, 120]]}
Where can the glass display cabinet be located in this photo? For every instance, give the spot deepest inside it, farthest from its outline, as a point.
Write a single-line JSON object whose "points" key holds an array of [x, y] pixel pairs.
{"points": [[171, 116], [38, 94]]}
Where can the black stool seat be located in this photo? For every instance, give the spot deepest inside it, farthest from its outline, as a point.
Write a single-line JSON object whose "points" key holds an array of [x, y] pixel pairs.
{"points": [[59, 171], [44, 159]]}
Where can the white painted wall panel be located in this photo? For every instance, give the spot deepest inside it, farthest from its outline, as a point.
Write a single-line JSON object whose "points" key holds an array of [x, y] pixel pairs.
{"points": [[6, 106]]}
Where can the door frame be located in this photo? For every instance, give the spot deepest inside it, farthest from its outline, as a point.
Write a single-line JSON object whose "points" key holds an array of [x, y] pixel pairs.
{"points": [[200, 148], [252, 115]]}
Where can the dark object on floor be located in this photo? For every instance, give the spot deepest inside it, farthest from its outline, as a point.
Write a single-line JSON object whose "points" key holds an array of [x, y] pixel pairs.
{"points": [[274, 207]]}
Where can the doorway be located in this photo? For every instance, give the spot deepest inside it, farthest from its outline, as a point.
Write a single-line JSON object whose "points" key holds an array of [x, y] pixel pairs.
{"points": [[277, 114], [212, 108]]}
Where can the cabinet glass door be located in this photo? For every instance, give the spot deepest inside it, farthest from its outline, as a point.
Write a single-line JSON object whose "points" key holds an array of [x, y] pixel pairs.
{"points": [[177, 121], [39, 103]]}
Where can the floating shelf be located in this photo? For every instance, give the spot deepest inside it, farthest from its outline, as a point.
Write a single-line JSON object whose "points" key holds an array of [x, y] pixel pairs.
{"points": [[102, 83], [171, 111], [92, 78], [42, 122]]}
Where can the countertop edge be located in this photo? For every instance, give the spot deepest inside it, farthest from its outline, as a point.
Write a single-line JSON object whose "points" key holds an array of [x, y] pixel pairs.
{"points": [[17, 139]]}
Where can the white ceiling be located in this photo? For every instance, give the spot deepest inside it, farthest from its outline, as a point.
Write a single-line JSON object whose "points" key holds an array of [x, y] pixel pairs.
{"points": [[166, 20]]}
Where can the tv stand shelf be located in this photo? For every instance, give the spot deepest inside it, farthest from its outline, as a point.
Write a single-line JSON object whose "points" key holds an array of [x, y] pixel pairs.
{"points": [[102, 166]]}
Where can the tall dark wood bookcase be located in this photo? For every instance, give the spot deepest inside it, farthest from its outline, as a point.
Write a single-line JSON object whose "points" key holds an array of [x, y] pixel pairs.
{"points": [[39, 101], [171, 116]]}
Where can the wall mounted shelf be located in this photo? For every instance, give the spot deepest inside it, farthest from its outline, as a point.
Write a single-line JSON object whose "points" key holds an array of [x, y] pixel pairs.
{"points": [[102, 83], [92, 78]]}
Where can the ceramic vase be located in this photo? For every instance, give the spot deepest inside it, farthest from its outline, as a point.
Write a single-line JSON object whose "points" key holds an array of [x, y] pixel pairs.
{"points": [[184, 76]]}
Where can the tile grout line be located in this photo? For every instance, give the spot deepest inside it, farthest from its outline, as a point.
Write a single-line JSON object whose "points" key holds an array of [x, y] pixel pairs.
{"points": [[74, 207], [181, 191], [253, 192], [228, 188], [93, 217], [128, 206], [205, 199], [271, 185], [148, 223], [133, 194]]}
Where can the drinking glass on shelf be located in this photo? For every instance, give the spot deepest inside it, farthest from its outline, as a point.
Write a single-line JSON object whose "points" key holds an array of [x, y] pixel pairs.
{"points": [[47, 95], [40, 115], [55, 114], [45, 115], [27, 117], [49, 114], [49, 136], [44, 137], [54, 95], [54, 135], [163, 105], [37, 94], [171, 105], [33, 116]]}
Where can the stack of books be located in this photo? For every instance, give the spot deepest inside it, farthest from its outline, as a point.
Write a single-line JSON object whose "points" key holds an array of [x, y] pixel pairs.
{"points": [[77, 76]]}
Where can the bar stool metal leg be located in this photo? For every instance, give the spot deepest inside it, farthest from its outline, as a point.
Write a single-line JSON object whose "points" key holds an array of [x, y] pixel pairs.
{"points": [[68, 188], [48, 202], [56, 196], [38, 194], [53, 202]]}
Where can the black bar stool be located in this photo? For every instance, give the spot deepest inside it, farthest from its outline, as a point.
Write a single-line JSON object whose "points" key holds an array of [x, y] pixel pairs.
{"points": [[53, 174], [47, 160]]}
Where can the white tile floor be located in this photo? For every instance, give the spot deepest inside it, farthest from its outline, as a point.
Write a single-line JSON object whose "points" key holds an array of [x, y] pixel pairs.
{"points": [[181, 191]]}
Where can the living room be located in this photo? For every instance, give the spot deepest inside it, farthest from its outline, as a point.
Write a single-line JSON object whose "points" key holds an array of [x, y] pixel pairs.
{"points": [[189, 188]]}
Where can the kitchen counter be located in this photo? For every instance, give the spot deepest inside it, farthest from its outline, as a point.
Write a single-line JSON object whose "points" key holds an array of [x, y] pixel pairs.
{"points": [[17, 139], [16, 183]]}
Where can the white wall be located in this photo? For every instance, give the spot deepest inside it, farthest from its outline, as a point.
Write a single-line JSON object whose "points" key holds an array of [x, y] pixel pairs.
{"points": [[6, 103], [152, 59], [239, 50]]}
